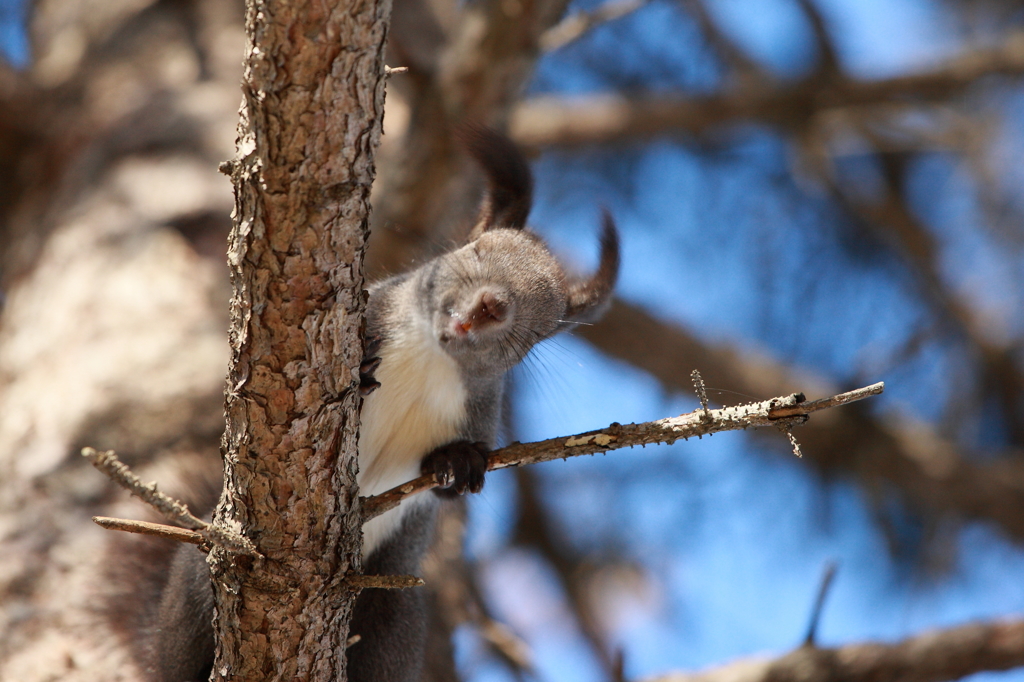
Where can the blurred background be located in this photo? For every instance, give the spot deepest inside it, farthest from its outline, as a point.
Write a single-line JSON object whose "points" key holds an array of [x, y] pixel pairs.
{"points": [[813, 195]]}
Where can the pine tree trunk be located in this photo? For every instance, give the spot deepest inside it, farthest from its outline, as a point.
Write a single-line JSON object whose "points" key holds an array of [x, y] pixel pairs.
{"points": [[310, 123]]}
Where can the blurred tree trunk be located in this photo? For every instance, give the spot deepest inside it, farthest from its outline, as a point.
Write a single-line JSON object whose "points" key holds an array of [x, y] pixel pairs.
{"points": [[115, 298]]}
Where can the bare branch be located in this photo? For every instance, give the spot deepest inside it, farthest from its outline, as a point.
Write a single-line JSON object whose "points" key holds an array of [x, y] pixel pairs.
{"points": [[934, 656], [698, 423], [803, 408], [574, 26], [535, 527], [172, 509], [146, 528], [118, 471], [506, 643]]}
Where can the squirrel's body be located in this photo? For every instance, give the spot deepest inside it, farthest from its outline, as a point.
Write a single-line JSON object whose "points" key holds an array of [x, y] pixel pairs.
{"points": [[421, 388], [445, 336]]}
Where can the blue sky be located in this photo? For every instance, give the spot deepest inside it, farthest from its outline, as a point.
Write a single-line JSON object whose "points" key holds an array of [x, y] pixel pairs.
{"points": [[13, 37]]}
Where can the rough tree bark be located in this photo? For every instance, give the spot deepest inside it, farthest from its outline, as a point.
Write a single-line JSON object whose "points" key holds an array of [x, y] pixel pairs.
{"points": [[310, 122]]}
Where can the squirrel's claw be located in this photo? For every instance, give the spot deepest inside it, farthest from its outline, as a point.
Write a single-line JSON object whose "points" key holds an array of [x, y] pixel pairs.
{"points": [[458, 467]]}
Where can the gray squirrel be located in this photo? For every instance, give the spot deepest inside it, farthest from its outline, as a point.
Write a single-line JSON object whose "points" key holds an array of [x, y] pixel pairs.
{"points": [[440, 341]]}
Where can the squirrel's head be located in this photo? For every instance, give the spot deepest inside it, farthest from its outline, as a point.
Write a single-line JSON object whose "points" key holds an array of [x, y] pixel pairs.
{"points": [[504, 291]]}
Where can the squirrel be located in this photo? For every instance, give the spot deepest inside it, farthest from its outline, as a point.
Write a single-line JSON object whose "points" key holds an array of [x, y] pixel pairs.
{"points": [[440, 341]]}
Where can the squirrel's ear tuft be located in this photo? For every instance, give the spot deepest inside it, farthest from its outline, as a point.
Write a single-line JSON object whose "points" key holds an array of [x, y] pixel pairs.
{"points": [[588, 298], [509, 181]]}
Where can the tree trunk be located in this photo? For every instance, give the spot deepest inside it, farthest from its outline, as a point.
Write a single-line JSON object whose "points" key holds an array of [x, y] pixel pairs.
{"points": [[310, 122]]}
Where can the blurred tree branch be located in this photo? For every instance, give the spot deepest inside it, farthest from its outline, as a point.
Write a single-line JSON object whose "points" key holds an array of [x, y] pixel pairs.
{"points": [[534, 528], [746, 71], [934, 656], [576, 25], [554, 121], [828, 60], [894, 224]]}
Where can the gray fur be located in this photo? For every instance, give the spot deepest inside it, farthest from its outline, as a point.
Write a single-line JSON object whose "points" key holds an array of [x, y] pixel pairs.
{"points": [[512, 265], [183, 643], [391, 623]]}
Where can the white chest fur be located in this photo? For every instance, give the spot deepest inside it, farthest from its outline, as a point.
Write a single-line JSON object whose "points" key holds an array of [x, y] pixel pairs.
{"points": [[421, 404]]}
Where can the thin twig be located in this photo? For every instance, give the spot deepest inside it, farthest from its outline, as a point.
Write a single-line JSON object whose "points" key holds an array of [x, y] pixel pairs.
{"points": [[805, 408], [387, 582], [173, 510], [702, 392], [118, 471], [766, 413], [819, 603], [146, 528]]}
